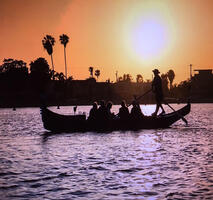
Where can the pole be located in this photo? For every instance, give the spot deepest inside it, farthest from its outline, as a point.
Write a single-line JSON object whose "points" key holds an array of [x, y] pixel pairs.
{"points": [[190, 71], [177, 113], [136, 99]]}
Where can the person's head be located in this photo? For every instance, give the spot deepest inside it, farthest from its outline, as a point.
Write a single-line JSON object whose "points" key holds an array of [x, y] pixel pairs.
{"points": [[109, 105], [123, 103], [156, 72], [95, 105], [134, 103], [102, 103]]}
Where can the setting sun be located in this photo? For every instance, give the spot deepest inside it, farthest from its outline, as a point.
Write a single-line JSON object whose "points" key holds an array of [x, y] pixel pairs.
{"points": [[149, 39], [150, 33]]}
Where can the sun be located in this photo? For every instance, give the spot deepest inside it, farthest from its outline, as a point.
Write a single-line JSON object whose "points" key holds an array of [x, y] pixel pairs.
{"points": [[149, 33], [149, 39]]}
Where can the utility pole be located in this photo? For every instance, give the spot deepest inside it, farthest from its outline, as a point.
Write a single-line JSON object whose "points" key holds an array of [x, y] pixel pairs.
{"points": [[116, 74], [190, 71]]}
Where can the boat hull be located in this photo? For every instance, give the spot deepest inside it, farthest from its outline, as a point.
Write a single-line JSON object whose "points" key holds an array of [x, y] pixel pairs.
{"points": [[77, 123]]}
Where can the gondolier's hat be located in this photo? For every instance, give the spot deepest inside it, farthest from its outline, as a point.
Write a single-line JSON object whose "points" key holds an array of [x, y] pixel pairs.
{"points": [[156, 71]]}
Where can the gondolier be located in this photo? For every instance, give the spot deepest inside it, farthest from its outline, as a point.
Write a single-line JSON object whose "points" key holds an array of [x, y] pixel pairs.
{"points": [[157, 89]]}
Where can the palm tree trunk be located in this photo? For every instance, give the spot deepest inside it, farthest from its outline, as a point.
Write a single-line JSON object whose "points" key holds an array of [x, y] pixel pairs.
{"points": [[52, 66], [52, 61], [65, 61]]}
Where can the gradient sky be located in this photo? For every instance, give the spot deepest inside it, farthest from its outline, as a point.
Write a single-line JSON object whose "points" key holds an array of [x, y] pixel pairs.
{"points": [[128, 36]]}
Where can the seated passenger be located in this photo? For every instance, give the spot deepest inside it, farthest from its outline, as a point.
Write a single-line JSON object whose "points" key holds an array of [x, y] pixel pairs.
{"points": [[136, 112], [110, 114], [123, 111], [93, 114], [102, 111]]}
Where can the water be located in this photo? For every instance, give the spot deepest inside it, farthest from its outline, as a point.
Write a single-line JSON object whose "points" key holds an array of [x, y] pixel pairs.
{"points": [[175, 163]]}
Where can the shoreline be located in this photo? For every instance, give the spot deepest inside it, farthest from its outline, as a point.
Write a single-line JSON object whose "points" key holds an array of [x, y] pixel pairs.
{"points": [[90, 104]]}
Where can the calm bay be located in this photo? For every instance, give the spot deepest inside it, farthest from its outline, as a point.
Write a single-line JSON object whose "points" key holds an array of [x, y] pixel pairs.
{"points": [[173, 163]]}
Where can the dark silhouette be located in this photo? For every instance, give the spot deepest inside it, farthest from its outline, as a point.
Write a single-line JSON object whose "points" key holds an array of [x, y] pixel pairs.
{"points": [[14, 73], [93, 114], [21, 88], [157, 89], [40, 69], [127, 77], [119, 79], [40, 74], [59, 76], [48, 43], [110, 114], [139, 78], [123, 111], [136, 113], [102, 112], [164, 78], [97, 73], [91, 71], [77, 123], [64, 39], [171, 76], [75, 109]]}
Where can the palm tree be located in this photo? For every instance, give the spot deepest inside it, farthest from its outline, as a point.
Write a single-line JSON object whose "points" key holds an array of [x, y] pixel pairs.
{"points": [[70, 78], [124, 77], [164, 78], [128, 77], [64, 39], [60, 76], [139, 78], [171, 76], [48, 43], [91, 71], [97, 73], [120, 78]]}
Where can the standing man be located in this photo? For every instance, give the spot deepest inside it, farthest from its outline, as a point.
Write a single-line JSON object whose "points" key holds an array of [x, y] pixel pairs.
{"points": [[157, 89]]}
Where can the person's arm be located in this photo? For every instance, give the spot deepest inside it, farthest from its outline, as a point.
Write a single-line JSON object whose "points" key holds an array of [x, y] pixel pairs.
{"points": [[153, 85]]}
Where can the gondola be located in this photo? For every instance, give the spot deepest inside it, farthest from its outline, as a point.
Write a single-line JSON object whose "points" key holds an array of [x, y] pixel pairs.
{"points": [[55, 122]]}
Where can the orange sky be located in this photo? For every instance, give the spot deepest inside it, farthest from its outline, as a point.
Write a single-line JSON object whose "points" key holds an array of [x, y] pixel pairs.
{"points": [[128, 36]]}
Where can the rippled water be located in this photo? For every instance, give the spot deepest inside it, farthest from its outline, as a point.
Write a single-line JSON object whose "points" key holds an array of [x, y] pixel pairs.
{"points": [[174, 163]]}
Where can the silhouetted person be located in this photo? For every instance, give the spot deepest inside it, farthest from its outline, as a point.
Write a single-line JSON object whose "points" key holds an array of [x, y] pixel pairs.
{"points": [[123, 111], [136, 112], [157, 89], [109, 113], [75, 109], [93, 114], [102, 111]]}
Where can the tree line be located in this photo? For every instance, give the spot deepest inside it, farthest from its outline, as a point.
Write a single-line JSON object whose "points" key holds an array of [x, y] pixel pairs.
{"points": [[18, 81]]}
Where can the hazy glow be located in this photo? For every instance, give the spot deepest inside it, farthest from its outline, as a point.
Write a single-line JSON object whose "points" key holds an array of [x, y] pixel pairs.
{"points": [[150, 34], [125, 36], [149, 39]]}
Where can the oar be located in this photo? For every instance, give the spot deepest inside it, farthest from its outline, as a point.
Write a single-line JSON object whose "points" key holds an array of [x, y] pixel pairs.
{"points": [[136, 99], [184, 119]]}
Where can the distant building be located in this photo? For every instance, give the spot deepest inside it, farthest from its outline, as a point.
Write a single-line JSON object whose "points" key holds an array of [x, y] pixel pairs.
{"points": [[202, 84], [203, 73], [87, 91]]}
